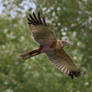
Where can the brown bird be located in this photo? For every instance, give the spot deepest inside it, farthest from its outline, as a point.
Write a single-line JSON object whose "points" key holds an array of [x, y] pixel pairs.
{"points": [[49, 45]]}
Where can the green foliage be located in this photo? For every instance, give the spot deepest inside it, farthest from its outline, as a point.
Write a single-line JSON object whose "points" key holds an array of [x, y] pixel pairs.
{"points": [[68, 19]]}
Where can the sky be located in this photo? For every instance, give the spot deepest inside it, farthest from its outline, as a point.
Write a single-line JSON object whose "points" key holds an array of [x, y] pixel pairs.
{"points": [[24, 3], [1, 7]]}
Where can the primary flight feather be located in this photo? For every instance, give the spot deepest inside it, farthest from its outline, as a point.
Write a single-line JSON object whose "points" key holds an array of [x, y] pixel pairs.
{"points": [[49, 45]]}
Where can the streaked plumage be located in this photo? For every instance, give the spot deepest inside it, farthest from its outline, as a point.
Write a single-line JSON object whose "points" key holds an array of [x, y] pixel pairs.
{"points": [[51, 46]]}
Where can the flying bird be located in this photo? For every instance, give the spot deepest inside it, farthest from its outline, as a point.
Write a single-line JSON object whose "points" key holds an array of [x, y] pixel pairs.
{"points": [[53, 48]]}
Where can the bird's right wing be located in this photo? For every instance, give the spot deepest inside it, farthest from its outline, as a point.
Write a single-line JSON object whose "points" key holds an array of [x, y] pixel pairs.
{"points": [[63, 62], [40, 31]]}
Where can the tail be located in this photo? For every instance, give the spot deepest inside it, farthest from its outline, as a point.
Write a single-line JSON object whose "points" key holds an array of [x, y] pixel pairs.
{"points": [[29, 54]]}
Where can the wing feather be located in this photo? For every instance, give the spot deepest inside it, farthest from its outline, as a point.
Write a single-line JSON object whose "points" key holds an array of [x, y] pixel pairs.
{"points": [[39, 29], [32, 19], [36, 19], [39, 18], [44, 21], [63, 62]]}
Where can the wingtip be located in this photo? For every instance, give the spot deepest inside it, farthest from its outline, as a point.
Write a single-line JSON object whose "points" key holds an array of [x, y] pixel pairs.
{"points": [[34, 14], [38, 12], [36, 20], [73, 74]]}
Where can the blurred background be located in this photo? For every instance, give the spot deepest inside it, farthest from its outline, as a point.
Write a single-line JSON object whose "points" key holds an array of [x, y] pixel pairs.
{"points": [[68, 19]]}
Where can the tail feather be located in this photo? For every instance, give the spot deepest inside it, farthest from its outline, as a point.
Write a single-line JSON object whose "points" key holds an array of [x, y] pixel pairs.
{"points": [[27, 55]]}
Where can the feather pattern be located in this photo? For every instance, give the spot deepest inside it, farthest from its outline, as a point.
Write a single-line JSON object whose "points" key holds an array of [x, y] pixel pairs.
{"points": [[39, 29], [44, 36], [63, 62], [36, 20]]}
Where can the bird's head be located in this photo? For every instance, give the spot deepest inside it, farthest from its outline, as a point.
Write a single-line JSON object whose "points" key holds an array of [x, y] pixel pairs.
{"points": [[65, 43], [61, 43]]}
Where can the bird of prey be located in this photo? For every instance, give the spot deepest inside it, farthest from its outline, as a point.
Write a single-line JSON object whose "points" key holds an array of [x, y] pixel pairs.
{"points": [[53, 48]]}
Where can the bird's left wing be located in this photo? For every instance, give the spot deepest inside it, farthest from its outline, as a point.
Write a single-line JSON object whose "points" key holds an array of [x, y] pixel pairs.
{"points": [[63, 62]]}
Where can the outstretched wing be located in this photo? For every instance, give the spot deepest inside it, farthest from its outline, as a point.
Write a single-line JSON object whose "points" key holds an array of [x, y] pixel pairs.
{"points": [[63, 62], [40, 31]]}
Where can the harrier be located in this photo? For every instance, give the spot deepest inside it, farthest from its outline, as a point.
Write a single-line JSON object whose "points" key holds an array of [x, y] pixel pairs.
{"points": [[53, 48]]}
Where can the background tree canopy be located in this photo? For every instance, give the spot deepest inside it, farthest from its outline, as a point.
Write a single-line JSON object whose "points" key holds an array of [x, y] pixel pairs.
{"points": [[68, 19]]}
